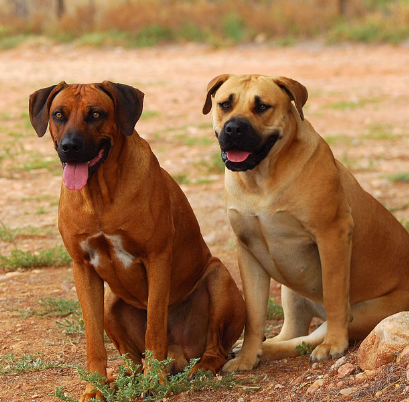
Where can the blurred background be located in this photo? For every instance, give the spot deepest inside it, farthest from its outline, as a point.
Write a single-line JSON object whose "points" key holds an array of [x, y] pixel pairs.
{"points": [[132, 23]]}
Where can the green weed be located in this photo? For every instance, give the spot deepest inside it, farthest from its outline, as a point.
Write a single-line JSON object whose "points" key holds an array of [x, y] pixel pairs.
{"points": [[400, 177], [355, 104], [57, 256], [148, 114], [73, 325], [11, 364], [9, 234], [304, 349], [181, 178], [53, 307], [130, 383], [274, 310]]}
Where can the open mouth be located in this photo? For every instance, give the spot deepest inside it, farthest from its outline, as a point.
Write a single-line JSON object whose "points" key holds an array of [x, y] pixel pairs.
{"points": [[239, 160], [76, 174]]}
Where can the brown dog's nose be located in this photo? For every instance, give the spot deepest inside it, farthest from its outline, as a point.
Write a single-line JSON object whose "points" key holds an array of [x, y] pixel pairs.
{"points": [[71, 146]]}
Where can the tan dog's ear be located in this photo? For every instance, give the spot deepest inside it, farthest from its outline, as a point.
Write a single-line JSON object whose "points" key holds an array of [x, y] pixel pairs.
{"points": [[212, 87], [39, 107], [297, 92], [128, 104]]}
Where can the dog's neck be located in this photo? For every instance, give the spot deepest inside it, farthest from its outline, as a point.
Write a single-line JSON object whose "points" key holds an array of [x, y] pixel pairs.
{"points": [[108, 182]]}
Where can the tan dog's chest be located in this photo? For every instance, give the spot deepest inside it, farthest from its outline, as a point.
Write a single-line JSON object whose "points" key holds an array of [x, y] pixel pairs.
{"points": [[282, 246]]}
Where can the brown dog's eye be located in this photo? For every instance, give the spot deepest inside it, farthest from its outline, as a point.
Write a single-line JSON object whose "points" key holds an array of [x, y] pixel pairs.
{"points": [[58, 115], [95, 115]]}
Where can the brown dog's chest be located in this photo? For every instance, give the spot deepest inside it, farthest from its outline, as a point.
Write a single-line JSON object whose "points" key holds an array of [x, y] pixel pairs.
{"points": [[117, 266]]}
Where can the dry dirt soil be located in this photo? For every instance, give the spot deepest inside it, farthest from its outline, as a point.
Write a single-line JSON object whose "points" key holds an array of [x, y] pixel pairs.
{"points": [[358, 101]]}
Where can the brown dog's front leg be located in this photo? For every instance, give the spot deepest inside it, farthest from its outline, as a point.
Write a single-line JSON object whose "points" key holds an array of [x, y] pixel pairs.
{"points": [[90, 291], [156, 337], [335, 248]]}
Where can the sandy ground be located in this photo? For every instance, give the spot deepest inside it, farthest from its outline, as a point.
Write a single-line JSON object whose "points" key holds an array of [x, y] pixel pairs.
{"points": [[358, 101]]}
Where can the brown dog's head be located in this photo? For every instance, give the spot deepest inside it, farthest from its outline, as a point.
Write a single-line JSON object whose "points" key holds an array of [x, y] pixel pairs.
{"points": [[84, 120], [250, 115]]}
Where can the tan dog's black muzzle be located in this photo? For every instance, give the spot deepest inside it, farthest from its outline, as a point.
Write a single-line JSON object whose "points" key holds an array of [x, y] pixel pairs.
{"points": [[241, 146]]}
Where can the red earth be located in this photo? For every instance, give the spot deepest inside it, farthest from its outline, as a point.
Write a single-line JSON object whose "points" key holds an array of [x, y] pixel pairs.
{"points": [[358, 101]]}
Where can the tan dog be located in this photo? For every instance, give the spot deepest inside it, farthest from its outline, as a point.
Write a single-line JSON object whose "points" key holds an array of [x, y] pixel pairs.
{"points": [[126, 222], [302, 219]]}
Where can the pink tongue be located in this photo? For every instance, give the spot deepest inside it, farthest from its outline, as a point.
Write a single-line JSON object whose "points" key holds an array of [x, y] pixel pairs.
{"points": [[237, 155], [75, 175]]}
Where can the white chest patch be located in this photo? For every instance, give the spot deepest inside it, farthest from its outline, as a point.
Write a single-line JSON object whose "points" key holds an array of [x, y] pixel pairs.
{"points": [[114, 249], [123, 256]]}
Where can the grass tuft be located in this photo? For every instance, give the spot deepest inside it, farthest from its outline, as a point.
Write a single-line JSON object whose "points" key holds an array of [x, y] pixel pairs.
{"points": [[57, 256], [11, 364], [130, 383]]}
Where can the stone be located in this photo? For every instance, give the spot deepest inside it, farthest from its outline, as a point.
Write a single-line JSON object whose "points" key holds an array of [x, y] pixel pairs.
{"points": [[348, 391], [403, 357], [342, 360], [385, 342], [345, 370], [315, 386]]}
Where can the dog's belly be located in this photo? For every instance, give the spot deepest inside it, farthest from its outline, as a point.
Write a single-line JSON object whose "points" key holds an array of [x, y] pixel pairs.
{"points": [[119, 268], [284, 249]]}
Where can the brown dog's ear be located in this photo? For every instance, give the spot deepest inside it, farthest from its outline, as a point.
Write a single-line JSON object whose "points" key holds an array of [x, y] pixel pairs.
{"points": [[212, 87], [297, 92], [39, 107], [128, 103]]}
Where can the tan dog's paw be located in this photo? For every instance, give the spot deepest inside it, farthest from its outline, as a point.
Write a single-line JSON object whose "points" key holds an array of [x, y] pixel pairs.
{"points": [[327, 351], [240, 364]]}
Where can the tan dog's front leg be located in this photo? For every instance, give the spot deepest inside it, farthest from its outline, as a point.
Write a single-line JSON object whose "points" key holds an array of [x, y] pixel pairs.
{"points": [[90, 291], [256, 286], [335, 248]]}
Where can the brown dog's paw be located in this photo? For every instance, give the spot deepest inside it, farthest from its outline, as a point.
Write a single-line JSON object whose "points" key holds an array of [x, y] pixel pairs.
{"points": [[87, 396], [327, 351]]}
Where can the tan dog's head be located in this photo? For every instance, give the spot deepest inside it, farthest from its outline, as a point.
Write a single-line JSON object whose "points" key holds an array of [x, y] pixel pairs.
{"points": [[250, 115], [84, 120]]}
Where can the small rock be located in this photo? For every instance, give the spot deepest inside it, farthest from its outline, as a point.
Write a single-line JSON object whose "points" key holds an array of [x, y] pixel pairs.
{"points": [[348, 391], [315, 366], [385, 341], [342, 360], [313, 387], [366, 375], [345, 370]]}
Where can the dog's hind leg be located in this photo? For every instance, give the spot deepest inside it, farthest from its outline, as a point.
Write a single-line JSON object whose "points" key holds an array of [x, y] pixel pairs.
{"points": [[298, 313], [226, 317], [125, 325]]}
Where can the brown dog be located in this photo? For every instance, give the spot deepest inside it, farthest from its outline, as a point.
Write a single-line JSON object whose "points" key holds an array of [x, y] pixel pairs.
{"points": [[302, 219], [126, 222]]}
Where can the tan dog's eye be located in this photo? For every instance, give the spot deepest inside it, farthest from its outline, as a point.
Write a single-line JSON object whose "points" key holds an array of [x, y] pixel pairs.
{"points": [[225, 105], [261, 107]]}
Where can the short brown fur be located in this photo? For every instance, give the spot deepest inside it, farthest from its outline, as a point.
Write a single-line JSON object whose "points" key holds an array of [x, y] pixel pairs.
{"points": [[132, 227]]}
